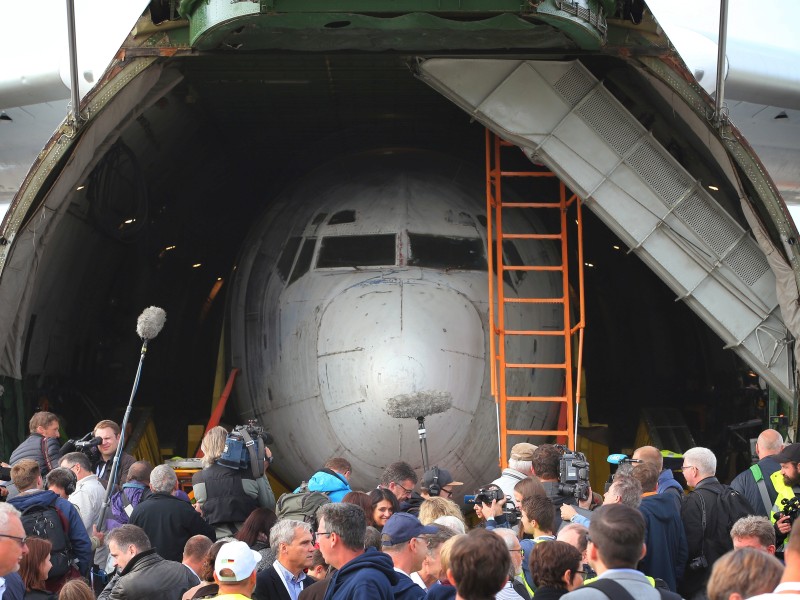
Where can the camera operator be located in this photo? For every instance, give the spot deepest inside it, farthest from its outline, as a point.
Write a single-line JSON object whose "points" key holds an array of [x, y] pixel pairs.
{"points": [[108, 432], [226, 496]]}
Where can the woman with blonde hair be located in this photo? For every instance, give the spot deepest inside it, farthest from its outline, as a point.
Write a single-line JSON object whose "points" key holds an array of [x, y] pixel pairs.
{"points": [[743, 573], [434, 507], [224, 496]]}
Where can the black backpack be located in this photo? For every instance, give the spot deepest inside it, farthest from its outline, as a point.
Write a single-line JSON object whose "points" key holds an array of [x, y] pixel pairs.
{"points": [[47, 522], [735, 506]]}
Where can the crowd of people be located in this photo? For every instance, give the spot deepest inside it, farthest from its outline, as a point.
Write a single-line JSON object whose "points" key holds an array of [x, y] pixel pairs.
{"points": [[527, 534]]}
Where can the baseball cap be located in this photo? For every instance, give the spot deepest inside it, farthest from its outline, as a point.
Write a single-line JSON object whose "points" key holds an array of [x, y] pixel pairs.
{"points": [[401, 527], [239, 558], [522, 451], [445, 478], [790, 453]]}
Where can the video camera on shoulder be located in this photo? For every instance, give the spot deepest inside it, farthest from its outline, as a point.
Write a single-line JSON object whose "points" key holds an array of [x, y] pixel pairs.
{"points": [[573, 474], [244, 448]]}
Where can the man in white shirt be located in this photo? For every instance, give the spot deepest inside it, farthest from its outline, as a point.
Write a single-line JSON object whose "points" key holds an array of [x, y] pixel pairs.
{"points": [[12, 543], [294, 546], [88, 495], [789, 587]]}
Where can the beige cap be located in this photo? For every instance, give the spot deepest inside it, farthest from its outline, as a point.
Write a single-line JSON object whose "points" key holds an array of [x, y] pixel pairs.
{"points": [[522, 451]]}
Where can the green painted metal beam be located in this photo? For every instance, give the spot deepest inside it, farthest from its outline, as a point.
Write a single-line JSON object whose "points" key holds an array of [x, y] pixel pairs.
{"points": [[404, 25]]}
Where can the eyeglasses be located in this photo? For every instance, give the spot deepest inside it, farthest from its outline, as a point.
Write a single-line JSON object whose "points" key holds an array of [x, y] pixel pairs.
{"points": [[314, 537], [684, 467], [446, 491], [581, 572], [517, 550], [402, 487], [20, 540]]}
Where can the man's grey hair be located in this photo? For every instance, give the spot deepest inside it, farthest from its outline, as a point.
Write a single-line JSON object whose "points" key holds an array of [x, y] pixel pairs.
{"points": [[755, 526], [435, 540], [163, 479], [6, 511], [703, 459], [628, 489], [398, 472], [77, 458], [129, 535], [283, 532], [346, 520], [523, 466], [509, 537]]}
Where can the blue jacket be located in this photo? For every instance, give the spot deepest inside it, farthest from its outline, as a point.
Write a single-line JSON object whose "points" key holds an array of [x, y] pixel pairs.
{"points": [[407, 589], [369, 576], [81, 546], [667, 484], [667, 550], [334, 485]]}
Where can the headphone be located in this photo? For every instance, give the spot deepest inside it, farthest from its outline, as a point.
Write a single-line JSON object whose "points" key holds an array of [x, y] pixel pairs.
{"points": [[69, 489], [434, 489]]}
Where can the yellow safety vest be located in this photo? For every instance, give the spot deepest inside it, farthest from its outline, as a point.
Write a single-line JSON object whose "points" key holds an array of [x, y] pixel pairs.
{"points": [[784, 493]]}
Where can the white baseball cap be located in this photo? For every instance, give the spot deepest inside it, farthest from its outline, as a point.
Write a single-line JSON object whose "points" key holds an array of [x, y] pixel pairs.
{"points": [[239, 558]]}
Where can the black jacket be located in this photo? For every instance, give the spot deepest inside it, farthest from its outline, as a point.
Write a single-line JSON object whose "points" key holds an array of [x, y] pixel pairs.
{"points": [[169, 522], [746, 485], [148, 575], [225, 501], [712, 543], [270, 587], [104, 467], [31, 447]]}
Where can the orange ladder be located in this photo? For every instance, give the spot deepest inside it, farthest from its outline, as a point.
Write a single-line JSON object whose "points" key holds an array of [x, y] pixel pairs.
{"points": [[569, 399]]}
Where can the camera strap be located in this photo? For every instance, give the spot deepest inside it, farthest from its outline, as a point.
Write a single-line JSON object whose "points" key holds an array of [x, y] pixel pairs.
{"points": [[702, 522], [255, 449]]}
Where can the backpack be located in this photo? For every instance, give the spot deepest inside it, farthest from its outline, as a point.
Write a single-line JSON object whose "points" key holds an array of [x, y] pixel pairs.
{"points": [[732, 504], [48, 522], [301, 505]]}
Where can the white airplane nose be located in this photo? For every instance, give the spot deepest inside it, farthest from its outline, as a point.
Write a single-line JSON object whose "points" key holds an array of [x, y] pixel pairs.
{"points": [[389, 345]]}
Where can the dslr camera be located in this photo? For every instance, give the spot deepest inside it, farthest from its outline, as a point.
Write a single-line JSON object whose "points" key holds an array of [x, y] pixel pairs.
{"points": [[573, 474], [791, 508], [487, 495]]}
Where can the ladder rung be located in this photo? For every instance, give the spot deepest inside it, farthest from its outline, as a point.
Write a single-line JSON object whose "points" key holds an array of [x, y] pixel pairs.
{"points": [[549, 332], [527, 174], [534, 300], [533, 268], [536, 432], [535, 366], [530, 205], [531, 236], [536, 398]]}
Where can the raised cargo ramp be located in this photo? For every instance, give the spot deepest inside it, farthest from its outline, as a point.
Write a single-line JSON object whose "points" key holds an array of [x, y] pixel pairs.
{"points": [[562, 116]]}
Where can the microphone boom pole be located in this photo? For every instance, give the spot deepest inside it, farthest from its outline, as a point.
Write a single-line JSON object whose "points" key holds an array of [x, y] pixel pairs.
{"points": [[148, 326]]}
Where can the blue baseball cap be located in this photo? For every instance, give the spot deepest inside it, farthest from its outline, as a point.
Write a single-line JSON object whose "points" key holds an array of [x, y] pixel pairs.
{"points": [[401, 527]]}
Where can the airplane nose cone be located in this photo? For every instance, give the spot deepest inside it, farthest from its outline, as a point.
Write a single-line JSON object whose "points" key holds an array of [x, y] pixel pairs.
{"points": [[400, 347]]}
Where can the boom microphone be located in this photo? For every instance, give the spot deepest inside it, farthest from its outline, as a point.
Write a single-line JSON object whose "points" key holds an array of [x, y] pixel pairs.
{"points": [[150, 322], [418, 404], [618, 459]]}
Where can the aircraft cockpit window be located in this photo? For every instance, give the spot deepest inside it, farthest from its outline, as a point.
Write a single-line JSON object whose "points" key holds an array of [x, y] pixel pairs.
{"points": [[440, 252], [287, 257], [343, 216], [304, 260], [357, 251]]}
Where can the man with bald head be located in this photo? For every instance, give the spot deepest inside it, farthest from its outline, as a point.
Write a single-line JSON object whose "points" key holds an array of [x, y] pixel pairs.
{"points": [[755, 483], [666, 481]]}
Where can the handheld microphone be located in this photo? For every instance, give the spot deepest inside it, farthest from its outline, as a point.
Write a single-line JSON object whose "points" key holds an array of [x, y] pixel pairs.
{"points": [[150, 322]]}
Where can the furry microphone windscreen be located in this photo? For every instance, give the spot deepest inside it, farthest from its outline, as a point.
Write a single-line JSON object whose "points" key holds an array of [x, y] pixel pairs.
{"points": [[418, 404], [150, 322]]}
